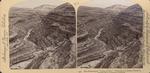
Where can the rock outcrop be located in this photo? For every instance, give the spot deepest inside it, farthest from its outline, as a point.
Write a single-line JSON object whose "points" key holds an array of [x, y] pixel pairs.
{"points": [[49, 44], [106, 37], [120, 36]]}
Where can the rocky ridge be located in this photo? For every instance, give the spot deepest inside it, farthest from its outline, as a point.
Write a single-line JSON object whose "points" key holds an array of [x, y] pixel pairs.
{"points": [[120, 36], [48, 44]]}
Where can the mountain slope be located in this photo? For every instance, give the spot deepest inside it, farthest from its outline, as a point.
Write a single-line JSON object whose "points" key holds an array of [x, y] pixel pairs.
{"points": [[54, 34], [121, 39], [48, 44]]}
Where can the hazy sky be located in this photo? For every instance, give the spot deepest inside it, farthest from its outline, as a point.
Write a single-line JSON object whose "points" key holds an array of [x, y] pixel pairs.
{"points": [[93, 3], [35, 3], [106, 3]]}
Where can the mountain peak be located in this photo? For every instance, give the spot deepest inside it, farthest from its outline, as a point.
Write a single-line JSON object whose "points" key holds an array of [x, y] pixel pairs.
{"points": [[117, 7], [65, 7], [134, 8], [45, 7]]}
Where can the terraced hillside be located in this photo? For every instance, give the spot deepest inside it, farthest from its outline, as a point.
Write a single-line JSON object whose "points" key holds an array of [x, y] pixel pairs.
{"points": [[42, 40], [110, 39]]}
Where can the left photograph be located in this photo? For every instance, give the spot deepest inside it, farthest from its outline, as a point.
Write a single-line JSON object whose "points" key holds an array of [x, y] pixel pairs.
{"points": [[42, 35]]}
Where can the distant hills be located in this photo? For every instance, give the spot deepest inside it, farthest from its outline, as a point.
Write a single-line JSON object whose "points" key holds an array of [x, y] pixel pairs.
{"points": [[44, 9], [117, 8]]}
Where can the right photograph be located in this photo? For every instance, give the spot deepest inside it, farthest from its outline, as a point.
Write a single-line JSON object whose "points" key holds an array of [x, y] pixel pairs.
{"points": [[110, 34]]}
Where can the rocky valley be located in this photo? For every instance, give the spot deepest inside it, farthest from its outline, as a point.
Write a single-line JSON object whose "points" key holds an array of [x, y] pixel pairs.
{"points": [[46, 37], [43, 37], [110, 37]]}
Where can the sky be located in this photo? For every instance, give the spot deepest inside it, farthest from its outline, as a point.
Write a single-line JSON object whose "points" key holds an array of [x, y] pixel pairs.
{"points": [[91, 3], [107, 3], [35, 3]]}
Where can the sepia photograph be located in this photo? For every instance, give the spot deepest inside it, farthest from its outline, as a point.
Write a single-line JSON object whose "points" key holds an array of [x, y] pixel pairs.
{"points": [[110, 34], [42, 35]]}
